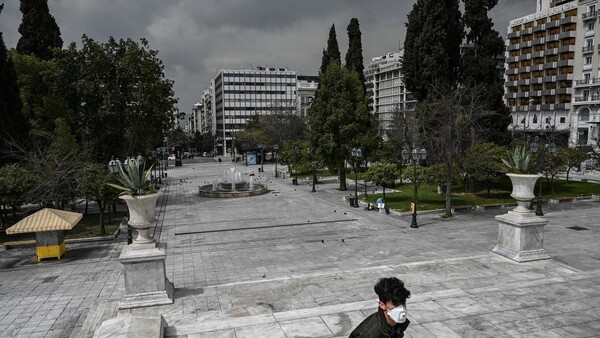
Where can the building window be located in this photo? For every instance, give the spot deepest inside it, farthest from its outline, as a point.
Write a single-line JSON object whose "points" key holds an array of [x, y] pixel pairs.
{"points": [[563, 120], [590, 26], [588, 60]]}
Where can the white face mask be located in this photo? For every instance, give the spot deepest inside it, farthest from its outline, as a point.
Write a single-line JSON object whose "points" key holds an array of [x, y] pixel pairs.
{"points": [[398, 314]]}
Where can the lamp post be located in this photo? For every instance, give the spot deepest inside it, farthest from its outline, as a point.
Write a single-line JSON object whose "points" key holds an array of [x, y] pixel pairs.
{"points": [[312, 168], [356, 155], [534, 147], [262, 155], [276, 148], [414, 156], [296, 152]]}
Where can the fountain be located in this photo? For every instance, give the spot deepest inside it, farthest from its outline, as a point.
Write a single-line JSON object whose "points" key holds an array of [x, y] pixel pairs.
{"points": [[231, 185]]}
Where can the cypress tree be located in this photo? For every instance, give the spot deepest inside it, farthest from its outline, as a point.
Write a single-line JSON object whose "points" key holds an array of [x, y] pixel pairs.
{"points": [[432, 46], [39, 31], [354, 57], [478, 67], [333, 51], [13, 125]]}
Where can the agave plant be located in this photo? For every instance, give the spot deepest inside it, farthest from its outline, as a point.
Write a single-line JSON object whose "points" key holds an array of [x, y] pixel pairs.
{"points": [[518, 161], [135, 181]]}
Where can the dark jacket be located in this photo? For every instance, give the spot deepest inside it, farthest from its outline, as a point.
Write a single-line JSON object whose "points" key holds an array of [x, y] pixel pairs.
{"points": [[375, 326]]}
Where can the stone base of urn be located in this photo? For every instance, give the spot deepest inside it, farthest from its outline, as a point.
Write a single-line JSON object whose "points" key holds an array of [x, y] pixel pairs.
{"points": [[146, 282], [521, 236]]}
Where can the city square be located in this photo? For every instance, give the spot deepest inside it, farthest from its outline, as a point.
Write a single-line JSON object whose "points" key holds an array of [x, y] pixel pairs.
{"points": [[292, 263]]}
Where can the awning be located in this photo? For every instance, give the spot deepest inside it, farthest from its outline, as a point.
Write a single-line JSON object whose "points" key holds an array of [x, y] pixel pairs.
{"points": [[46, 220]]}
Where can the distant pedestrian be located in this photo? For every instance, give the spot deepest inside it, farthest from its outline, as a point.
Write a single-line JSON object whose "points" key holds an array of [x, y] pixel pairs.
{"points": [[220, 160], [390, 319]]}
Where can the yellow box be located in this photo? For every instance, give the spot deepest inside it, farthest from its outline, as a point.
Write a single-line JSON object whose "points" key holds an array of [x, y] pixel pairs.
{"points": [[412, 208], [48, 251]]}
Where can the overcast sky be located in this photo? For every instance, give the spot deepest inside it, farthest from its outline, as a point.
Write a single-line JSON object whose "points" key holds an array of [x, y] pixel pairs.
{"points": [[197, 38]]}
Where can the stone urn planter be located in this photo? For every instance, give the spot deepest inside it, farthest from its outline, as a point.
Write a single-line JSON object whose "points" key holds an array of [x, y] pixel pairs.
{"points": [[523, 190], [142, 214]]}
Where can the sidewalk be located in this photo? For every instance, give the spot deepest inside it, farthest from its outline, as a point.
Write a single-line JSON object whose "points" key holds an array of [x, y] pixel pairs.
{"points": [[292, 263]]}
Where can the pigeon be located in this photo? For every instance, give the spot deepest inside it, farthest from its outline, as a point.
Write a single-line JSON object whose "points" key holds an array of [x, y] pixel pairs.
{"points": [[335, 211], [342, 240], [322, 241], [264, 275]]}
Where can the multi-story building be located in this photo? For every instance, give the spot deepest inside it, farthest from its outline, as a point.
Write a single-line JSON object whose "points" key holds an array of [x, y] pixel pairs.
{"points": [[240, 94], [540, 68], [307, 86], [194, 119], [388, 93], [585, 117]]}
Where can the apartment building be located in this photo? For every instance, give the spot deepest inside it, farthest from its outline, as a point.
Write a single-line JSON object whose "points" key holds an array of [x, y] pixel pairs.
{"points": [[585, 117], [540, 66], [388, 93]]}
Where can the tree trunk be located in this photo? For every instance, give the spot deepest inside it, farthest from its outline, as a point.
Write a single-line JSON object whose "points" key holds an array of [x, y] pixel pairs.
{"points": [[86, 206], [448, 190], [343, 186], [568, 170], [383, 185], [101, 207]]}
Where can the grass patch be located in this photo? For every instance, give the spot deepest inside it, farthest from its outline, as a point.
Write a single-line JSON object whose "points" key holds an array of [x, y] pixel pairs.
{"points": [[89, 226], [429, 199]]}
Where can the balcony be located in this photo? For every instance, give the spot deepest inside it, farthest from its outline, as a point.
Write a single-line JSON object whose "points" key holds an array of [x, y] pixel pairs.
{"points": [[523, 94], [548, 106], [511, 59], [539, 28], [512, 71], [568, 20], [587, 49], [513, 47], [565, 91], [525, 44], [535, 80], [551, 51], [594, 118], [551, 24], [589, 100], [537, 67], [589, 15], [538, 41], [524, 82], [547, 92], [538, 54], [527, 31], [566, 63], [510, 84], [567, 35], [553, 37], [550, 78], [562, 106], [525, 69], [566, 49], [525, 57], [510, 96], [550, 65], [513, 35], [563, 77]]}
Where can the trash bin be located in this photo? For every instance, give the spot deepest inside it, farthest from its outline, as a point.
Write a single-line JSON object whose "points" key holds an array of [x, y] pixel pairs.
{"points": [[352, 201], [294, 181]]}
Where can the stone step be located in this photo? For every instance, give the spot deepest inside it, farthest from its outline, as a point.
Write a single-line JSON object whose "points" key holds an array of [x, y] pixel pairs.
{"points": [[87, 325]]}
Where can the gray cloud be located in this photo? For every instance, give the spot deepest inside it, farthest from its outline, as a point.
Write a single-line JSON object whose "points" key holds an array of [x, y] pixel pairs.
{"points": [[197, 38]]}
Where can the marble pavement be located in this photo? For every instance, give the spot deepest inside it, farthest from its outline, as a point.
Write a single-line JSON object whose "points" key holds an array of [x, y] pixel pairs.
{"points": [[292, 263]]}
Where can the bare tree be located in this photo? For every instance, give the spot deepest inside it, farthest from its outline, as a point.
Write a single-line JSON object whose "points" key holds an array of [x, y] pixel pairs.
{"points": [[449, 124]]}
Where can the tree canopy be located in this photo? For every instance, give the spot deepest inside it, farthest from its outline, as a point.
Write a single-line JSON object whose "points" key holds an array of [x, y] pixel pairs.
{"points": [[432, 46], [39, 32], [338, 119], [332, 53], [354, 57]]}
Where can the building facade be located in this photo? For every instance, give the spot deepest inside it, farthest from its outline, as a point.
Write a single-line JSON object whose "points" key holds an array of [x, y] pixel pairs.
{"points": [[307, 86], [239, 95], [385, 86], [553, 71]]}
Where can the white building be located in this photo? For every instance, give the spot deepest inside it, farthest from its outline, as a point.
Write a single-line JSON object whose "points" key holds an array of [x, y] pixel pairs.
{"points": [[307, 86], [240, 94], [385, 85]]}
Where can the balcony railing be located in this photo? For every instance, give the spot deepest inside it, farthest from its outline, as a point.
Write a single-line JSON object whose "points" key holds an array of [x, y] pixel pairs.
{"points": [[587, 49], [589, 15], [589, 98]]}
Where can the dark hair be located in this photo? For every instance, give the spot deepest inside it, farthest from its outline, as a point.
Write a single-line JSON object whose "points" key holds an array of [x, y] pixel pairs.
{"points": [[392, 289]]}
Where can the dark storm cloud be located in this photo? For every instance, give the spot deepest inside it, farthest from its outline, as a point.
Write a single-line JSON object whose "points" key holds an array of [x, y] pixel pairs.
{"points": [[197, 38]]}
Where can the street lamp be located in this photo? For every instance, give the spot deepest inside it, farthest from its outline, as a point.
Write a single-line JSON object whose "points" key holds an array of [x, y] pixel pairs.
{"points": [[312, 168], [276, 148], [414, 156], [297, 152], [534, 147], [356, 155], [112, 166], [262, 155]]}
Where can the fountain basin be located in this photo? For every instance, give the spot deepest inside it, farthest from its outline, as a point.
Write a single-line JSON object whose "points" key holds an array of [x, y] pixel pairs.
{"points": [[244, 191]]}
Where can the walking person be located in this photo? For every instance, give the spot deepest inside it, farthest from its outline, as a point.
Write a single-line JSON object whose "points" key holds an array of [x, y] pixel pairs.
{"points": [[390, 319]]}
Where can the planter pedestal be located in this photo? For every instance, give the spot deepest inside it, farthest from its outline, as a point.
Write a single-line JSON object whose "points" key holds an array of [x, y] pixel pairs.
{"points": [[521, 236], [520, 231], [146, 283]]}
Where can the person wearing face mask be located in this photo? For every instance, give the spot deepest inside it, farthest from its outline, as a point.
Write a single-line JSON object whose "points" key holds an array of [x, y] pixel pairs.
{"points": [[390, 319]]}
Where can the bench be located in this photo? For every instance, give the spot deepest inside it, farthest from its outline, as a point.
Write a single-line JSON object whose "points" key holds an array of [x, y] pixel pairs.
{"points": [[9, 245]]}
